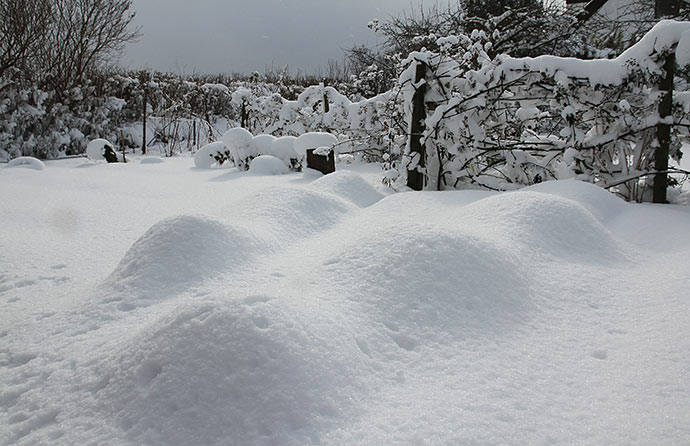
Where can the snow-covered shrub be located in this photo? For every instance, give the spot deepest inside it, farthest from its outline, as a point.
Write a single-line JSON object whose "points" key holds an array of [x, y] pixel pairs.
{"points": [[314, 140], [241, 145], [100, 149], [211, 154], [284, 148], [506, 122], [267, 165]]}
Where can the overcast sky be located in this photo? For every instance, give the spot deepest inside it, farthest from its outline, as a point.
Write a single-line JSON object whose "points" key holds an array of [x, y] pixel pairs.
{"points": [[225, 36]]}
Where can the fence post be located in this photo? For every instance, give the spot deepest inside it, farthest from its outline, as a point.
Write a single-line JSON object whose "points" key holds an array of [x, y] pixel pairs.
{"points": [[663, 132], [415, 178], [143, 121], [244, 115]]}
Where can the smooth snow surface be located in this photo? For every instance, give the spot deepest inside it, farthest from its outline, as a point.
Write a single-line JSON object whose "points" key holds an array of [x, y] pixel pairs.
{"points": [[162, 304]]}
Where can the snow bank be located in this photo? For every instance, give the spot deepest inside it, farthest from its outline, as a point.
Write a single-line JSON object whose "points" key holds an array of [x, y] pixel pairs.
{"points": [[350, 186], [424, 284], [267, 165], [205, 157], [242, 372], [180, 252], [545, 225], [27, 161]]}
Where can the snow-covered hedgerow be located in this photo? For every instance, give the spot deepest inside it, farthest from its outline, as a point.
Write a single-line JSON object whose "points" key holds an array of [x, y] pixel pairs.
{"points": [[505, 122]]}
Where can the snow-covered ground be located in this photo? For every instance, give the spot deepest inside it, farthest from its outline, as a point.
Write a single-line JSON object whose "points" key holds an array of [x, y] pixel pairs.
{"points": [[155, 303]]}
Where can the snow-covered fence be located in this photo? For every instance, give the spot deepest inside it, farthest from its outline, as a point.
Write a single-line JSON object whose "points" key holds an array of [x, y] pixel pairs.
{"points": [[505, 122]]}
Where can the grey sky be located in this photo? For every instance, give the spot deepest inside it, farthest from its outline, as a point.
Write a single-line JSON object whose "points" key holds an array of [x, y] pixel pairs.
{"points": [[223, 36]]}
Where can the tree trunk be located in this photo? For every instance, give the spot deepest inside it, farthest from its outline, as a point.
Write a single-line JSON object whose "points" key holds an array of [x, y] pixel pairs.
{"points": [[663, 132], [415, 176]]}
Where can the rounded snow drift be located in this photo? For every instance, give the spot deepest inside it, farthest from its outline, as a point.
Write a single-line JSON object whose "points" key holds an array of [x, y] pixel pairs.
{"points": [[223, 371], [350, 186], [179, 252], [28, 162], [545, 225], [427, 284]]}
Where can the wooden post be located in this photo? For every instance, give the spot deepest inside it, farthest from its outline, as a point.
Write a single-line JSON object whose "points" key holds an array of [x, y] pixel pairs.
{"points": [[143, 121], [321, 162], [122, 145], [244, 115], [325, 98], [415, 178], [663, 132]]}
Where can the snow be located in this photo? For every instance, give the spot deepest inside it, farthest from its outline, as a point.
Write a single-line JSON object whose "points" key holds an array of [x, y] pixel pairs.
{"points": [[206, 306], [94, 151], [240, 142], [314, 140], [204, 158], [284, 148], [267, 165], [28, 162]]}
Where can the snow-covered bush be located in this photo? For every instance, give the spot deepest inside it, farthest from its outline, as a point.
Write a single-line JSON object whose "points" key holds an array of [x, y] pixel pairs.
{"points": [[267, 165], [241, 145], [505, 122], [211, 154], [100, 149]]}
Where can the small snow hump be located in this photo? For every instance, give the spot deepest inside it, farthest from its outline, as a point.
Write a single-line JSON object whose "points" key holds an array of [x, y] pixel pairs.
{"points": [[208, 372], [549, 227], [179, 252], [350, 186], [28, 162]]}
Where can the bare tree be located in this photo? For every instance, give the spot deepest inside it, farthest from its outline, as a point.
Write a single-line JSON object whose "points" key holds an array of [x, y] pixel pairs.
{"points": [[83, 35], [23, 29]]}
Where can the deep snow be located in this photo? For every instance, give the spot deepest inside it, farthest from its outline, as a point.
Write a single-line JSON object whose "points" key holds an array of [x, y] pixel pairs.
{"points": [[157, 303]]}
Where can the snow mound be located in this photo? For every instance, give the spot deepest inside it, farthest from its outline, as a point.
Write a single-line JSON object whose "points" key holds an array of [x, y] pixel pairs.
{"points": [[290, 213], [180, 252], [211, 372], [240, 143], [151, 160], [27, 161], [94, 151], [547, 226], [267, 165], [204, 158], [394, 271], [601, 203], [350, 186], [314, 140]]}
